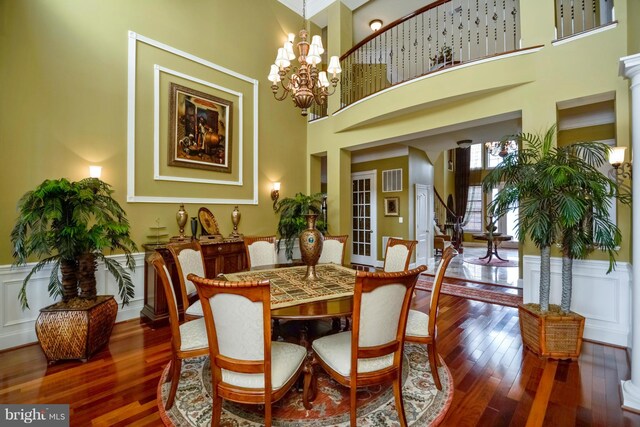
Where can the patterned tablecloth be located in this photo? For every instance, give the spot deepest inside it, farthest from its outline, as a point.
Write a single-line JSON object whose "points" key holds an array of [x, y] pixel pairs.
{"points": [[289, 288]]}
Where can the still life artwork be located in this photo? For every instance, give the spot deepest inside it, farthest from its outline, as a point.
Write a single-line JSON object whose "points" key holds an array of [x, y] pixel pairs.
{"points": [[199, 130]]}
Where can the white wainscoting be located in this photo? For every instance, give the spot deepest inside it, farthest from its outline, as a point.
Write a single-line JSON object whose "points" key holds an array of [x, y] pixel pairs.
{"points": [[604, 299], [18, 326]]}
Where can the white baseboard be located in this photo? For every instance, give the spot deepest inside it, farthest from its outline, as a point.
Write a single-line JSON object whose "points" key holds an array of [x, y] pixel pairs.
{"points": [[17, 327], [604, 299]]}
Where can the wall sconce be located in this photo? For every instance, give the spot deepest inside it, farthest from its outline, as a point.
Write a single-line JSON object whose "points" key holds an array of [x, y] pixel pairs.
{"points": [[275, 194], [375, 25], [95, 171], [622, 169]]}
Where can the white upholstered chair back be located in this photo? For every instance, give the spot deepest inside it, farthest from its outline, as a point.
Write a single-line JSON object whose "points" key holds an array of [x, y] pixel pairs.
{"points": [[173, 300], [398, 254], [395, 259], [239, 326], [332, 251], [262, 253], [380, 314], [190, 262]]}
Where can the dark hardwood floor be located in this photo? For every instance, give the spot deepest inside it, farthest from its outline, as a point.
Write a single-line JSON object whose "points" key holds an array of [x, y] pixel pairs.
{"points": [[496, 382]]}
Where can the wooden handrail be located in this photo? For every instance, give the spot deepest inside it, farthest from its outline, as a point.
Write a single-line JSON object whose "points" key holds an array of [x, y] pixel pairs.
{"points": [[391, 25]]}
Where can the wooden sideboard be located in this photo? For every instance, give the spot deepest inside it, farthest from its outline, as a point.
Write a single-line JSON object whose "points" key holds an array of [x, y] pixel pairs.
{"points": [[219, 257]]}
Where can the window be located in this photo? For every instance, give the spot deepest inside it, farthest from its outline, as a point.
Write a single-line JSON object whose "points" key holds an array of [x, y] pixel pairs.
{"points": [[475, 156], [492, 160], [473, 219]]}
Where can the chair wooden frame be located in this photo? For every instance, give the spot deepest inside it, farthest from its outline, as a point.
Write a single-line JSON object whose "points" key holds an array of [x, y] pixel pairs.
{"points": [[447, 255], [367, 282], [175, 249], [177, 354], [255, 291], [249, 240], [410, 245], [342, 239]]}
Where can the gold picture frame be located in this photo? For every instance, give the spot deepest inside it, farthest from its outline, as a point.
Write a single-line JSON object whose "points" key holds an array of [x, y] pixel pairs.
{"points": [[199, 130], [392, 206]]}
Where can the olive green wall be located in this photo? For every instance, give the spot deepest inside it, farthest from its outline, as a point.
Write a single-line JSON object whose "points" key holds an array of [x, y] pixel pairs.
{"points": [[389, 225], [63, 64]]}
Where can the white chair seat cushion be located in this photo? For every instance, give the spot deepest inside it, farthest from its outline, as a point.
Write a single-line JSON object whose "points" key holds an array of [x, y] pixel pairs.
{"points": [[193, 335], [417, 324], [195, 309], [335, 351], [286, 358]]}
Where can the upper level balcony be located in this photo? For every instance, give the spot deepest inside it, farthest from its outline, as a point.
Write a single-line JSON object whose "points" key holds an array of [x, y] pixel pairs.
{"points": [[447, 34]]}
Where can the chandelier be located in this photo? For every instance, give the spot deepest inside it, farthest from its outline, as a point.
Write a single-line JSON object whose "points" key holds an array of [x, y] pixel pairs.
{"points": [[307, 84], [501, 148]]}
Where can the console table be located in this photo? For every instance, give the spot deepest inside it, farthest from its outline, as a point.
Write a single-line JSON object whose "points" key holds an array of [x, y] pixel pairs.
{"points": [[219, 257]]}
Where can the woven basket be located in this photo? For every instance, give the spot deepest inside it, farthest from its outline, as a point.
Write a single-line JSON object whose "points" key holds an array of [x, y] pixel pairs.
{"points": [[553, 335], [76, 333]]}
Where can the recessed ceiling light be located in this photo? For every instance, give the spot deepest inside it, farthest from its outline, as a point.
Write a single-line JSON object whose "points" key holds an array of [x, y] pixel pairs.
{"points": [[375, 25]]}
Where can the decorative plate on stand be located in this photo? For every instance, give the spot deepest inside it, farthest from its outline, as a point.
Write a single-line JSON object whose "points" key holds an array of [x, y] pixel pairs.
{"points": [[208, 222]]}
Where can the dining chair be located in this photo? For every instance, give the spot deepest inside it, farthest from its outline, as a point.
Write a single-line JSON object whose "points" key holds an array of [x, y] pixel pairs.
{"points": [[333, 249], [421, 327], [260, 250], [398, 254], [246, 366], [441, 240], [375, 343], [188, 339], [189, 259]]}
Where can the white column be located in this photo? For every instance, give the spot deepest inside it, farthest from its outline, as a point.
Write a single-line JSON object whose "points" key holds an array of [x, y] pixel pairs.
{"points": [[630, 68]]}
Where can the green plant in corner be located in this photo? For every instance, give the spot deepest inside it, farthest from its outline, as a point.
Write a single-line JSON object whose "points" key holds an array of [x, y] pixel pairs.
{"points": [[70, 225], [292, 221]]}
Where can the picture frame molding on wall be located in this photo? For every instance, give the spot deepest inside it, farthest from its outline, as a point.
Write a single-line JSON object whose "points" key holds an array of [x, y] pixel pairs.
{"points": [[392, 206]]}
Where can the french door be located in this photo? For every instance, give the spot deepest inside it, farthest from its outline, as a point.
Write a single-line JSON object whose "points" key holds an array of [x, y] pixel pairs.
{"points": [[364, 249]]}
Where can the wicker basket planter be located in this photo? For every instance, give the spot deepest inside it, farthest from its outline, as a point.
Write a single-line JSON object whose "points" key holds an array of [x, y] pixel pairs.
{"points": [[70, 333], [553, 335]]}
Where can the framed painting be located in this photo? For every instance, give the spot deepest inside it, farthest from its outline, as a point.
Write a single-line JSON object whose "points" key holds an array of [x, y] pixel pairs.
{"points": [[199, 130], [391, 206]]}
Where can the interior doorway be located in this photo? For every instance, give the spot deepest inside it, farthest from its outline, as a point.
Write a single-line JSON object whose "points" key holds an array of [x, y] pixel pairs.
{"points": [[363, 206]]}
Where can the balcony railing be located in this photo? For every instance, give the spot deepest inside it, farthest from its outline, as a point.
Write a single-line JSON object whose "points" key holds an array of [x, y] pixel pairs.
{"points": [[439, 35], [577, 16]]}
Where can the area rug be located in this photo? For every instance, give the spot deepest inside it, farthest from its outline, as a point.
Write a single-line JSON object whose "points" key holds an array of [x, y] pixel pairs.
{"points": [[495, 262], [424, 404], [493, 297]]}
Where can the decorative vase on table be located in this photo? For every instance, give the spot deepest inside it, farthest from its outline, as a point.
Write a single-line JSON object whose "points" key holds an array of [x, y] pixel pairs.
{"points": [[181, 219], [311, 246], [235, 220]]}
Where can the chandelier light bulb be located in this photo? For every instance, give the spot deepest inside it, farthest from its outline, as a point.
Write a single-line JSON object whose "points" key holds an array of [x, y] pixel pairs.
{"points": [[274, 77], [323, 81], [313, 57], [288, 47], [317, 40], [334, 66], [291, 37], [282, 60]]}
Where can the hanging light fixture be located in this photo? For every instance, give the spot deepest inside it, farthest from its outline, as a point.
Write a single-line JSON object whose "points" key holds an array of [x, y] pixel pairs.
{"points": [[307, 84]]}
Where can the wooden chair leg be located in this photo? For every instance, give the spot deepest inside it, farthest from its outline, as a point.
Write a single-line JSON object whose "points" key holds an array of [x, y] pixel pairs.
{"points": [[216, 412], [175, 379], [267, 414], [310, 385], [353, 402], [169, 376], [397, 392], [431, 350]]}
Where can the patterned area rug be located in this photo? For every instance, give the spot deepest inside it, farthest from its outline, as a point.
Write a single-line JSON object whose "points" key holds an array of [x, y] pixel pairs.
{"points": [[424, 404], [493, 297]]}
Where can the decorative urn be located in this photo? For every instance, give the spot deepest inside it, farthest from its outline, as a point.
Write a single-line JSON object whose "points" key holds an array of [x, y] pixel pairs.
{"points": [[311, 246]]}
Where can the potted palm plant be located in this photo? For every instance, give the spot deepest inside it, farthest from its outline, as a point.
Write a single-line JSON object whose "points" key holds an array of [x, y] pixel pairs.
{"points": [[69, 226], [293, 221], [563, 200]]}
